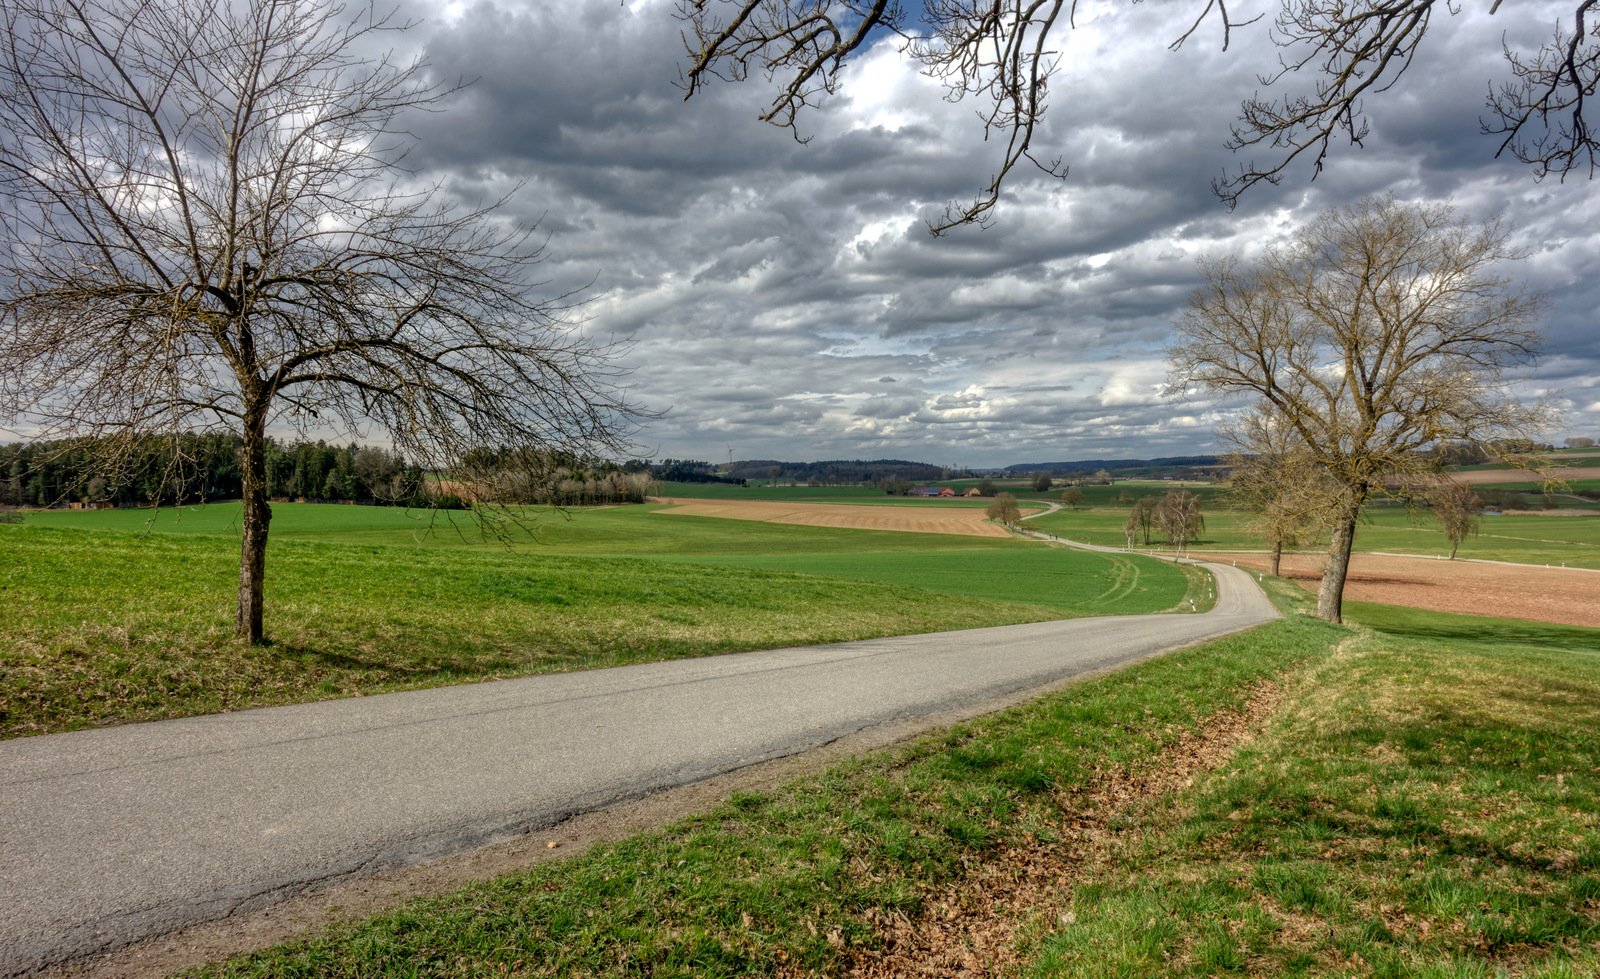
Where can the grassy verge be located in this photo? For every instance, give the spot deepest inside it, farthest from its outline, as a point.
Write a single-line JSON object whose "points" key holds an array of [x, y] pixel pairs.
{"points": [[1300, 800], [1427, 805], [806, 881], [97, 627]]}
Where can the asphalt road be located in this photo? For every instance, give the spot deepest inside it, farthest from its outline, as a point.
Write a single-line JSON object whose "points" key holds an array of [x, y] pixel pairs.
{"points": [[123, 833]]}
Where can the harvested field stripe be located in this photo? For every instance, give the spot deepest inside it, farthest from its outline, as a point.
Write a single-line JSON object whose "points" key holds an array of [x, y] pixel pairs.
{"points": [[923, 520], [1543, 594]]}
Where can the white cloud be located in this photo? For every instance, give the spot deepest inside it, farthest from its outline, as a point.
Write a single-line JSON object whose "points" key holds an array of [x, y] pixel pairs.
{"points": [[773, 288]]}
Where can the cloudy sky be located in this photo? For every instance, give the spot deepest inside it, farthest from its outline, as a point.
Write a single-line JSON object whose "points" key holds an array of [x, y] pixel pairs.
{"points": [[786, 301]]}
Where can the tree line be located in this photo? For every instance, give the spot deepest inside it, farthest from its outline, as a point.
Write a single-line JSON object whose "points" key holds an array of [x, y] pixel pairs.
{"points": [[196, 468], [836, 472]]}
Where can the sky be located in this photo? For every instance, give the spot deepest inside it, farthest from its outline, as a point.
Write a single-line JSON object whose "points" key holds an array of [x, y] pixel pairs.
{"points": [[786, 301]]}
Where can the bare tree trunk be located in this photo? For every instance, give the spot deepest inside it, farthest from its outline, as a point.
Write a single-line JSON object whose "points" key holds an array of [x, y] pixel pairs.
{"points": [[1277, 556], [1455, 542], [257, 514], [1330, 597]]}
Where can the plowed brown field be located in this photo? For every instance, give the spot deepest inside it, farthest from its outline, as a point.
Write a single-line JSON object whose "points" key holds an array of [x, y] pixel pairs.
{"points": [[1481, 477], [915, 519], [1507, 591]]}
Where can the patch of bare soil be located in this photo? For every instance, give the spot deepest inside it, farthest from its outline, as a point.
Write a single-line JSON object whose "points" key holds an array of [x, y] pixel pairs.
{"points": [[1565, 595], [971, 927], [1479, 477], [968, 522]]}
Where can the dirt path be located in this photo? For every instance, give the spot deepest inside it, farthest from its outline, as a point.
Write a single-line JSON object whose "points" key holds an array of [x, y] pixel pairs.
{"points": [[967, 522], [970, 928], [1568, 596]]}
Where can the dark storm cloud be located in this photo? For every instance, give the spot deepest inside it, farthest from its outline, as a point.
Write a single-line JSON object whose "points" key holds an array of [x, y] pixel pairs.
{"points": [[775, 290]]}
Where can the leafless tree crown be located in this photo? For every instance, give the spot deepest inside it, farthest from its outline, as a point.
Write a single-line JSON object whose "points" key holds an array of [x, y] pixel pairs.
{"points": [[1378, 330], [204, 217], [207, 223], [1274, 479], [1358, 48], [1001, 53]]}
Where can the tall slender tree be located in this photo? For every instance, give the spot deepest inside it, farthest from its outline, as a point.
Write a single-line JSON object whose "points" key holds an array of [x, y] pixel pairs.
{"points": [[1180, 518], [1456, 507], [207, 225]]}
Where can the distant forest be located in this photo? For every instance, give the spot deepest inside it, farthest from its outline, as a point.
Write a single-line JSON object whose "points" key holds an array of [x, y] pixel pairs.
{"points": [[1094, 465], [198, 468], [682, 471], [206, 467], [202, 468]]}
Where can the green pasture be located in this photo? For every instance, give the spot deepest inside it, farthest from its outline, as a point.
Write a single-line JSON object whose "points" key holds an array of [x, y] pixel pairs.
{"points": [[103, 626], [1574, 541], [109, 616], [641, 531], [1076, 582], [985, 567], [623, 530], [1422, 805]]}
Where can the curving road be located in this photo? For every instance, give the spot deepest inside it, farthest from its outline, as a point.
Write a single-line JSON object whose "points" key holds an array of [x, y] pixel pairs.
{"points": [[116, 835]]}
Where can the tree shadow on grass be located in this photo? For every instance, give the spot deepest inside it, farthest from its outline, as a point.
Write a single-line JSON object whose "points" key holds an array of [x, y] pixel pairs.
{"points": [[1395, 620]]}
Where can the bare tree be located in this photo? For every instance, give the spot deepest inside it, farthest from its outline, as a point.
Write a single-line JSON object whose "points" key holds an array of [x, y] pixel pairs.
{"points": [[207, 226], [1378, 329], [1355, 49], [1144, 514], [1131, 529], [1274, 478], [1180, 518], [1456, 507], [1004, 509], [1004, 54]]}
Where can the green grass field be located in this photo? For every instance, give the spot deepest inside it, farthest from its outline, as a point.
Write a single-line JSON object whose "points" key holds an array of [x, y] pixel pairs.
{"points": [[1378, 801], [630, 531], [102, 622], [1073, 581], [1521, 539], [1426, 804]]}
